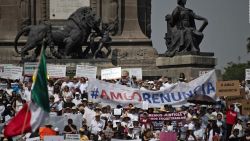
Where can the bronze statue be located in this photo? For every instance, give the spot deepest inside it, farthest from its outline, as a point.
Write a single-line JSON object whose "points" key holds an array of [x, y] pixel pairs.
{"points": [[105, 40], [182, 35], [69, 40]]}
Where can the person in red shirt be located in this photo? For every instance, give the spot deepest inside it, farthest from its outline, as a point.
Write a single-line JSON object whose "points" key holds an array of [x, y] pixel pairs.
{"points": [[231, 118], [145, 122]]}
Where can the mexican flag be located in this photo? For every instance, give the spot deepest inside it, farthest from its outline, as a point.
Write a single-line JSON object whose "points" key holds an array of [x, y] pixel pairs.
{"points": [[33, 114]]}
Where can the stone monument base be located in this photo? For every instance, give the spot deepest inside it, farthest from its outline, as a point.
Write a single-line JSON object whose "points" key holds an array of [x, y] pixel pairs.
{"points": [[191, 64]]}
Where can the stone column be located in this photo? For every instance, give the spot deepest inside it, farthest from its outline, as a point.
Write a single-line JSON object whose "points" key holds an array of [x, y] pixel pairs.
{"points": [[131, 29]]}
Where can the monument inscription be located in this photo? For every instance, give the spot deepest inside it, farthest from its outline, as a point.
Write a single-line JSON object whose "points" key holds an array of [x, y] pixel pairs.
{"points": [[61, 9]]}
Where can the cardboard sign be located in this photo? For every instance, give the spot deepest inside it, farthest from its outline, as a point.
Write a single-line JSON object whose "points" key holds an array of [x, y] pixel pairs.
{"points": [[72, 137], [29, 68], [178, 119], [86, 71], [56, 71], [228, 88], [168, 136], [234, 99], [247, 75], [53, 138], [112, 73], [246, 107]]}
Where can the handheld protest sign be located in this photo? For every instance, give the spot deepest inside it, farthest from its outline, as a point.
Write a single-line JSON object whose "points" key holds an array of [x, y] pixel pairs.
{"points": [[228, 88]]}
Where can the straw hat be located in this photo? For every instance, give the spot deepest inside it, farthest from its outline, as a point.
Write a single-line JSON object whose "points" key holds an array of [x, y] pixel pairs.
{"points": [[162, 109], [195, 117], [97, 114], [211, 118]]}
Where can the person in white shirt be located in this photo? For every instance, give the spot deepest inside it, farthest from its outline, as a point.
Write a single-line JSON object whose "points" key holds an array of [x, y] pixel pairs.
{"points": [[199, 132], [77, 99], [97, 124], [50, 87], [76, 83], [133, 116], [83, 85], [27, 93], [67, 93], [217, 111]]}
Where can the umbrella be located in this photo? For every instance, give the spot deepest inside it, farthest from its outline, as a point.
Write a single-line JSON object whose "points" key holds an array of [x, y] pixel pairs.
{"points": [[201, 99]]}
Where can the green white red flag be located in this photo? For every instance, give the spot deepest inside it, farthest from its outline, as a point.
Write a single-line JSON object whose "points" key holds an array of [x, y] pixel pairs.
{"points": [[33, 114]]}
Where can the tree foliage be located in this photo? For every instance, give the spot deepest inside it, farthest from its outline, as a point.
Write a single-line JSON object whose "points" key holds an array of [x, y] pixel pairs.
{"points": [[235, 71]]}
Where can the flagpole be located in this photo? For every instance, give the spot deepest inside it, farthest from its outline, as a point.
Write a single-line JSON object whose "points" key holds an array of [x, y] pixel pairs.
{"points": [[26, 114]]}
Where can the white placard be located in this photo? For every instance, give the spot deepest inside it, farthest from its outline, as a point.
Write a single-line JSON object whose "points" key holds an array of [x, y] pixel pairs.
{"points": [[247, 76], [72, 137], [33, 139], [56, 71], [61, 9], [112, 73], [117, 112], [134, 72], [53, 138], [86, 71], [29, 68], [11, 72]]}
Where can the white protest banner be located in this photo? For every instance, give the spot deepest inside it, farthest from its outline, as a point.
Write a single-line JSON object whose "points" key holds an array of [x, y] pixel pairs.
{"points": [[72, 137], [114, 94], [86, 71], [145, 105], [111, 73], [29, 68], [247, 75], [2, 68], [56, 71], [137, 72], [11, 72], [53, 138]]}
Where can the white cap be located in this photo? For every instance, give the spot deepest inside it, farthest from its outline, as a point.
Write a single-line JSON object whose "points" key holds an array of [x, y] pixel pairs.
{"points": [[56, 129]]}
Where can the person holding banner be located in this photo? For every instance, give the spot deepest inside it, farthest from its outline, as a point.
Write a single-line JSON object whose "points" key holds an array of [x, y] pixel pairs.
{"points": [[126, 80]]}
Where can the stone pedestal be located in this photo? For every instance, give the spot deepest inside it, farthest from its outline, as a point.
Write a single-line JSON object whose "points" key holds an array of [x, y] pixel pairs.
{"points": [[190, 64]]}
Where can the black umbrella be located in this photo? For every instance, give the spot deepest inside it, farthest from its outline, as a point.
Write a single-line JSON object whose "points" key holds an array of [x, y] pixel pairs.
{"points": [[201, 99]]}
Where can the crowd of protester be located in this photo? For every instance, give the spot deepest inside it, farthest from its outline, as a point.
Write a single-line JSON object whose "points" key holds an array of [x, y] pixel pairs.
{"points": [[220, 122]]}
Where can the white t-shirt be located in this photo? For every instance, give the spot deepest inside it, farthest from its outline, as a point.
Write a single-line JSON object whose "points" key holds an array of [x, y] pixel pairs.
{"points": [[27, 95], [199, 134], [96, 126], [83, 87]]}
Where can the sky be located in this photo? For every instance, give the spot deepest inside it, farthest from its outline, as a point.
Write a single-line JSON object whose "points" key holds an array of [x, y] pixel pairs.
{"points": [[226, 34]]}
